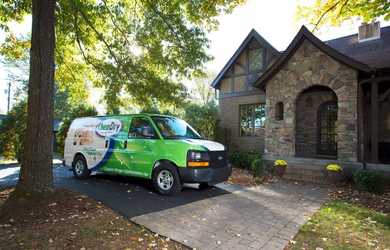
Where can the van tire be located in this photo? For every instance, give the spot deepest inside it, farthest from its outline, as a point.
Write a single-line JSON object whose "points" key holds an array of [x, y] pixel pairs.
{"points": [[80, 168], [166, 179]]}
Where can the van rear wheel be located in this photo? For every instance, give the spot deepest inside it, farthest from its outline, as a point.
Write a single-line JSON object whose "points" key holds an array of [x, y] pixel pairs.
{"points": [[80, 168], [166, 180]]}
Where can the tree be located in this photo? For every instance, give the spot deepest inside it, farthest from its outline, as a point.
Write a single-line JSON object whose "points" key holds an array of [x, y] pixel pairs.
{"points": [[203, 117], [335, 12], [81, 110], [36, 171], [12, 132], [143, 48], [202, 91], [140, 47]]}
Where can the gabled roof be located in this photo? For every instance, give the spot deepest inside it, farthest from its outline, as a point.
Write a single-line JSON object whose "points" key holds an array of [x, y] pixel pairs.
{"points": [[305, 34], [252, 35], [375, 53]]}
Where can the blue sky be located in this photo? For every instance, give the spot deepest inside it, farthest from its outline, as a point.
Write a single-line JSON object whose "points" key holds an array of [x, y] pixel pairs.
{"points": [[274, 20]]}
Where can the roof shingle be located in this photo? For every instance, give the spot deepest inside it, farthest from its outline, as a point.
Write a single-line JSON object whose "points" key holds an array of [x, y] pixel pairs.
{"points": [[374, 53]]}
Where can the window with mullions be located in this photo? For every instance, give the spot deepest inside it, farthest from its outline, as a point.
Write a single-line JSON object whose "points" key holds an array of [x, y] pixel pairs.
{"points": [[256, 59], [252, 118]]}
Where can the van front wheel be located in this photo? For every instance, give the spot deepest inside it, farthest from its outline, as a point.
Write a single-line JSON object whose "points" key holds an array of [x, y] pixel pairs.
{"points": [[166, 180], [80, 169]]}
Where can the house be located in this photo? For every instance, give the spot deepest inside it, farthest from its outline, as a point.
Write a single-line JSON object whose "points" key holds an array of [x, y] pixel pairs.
{"points": [[316, 102]]}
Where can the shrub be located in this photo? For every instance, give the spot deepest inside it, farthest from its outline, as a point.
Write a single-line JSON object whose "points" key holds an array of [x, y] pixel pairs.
{"points": [[203, 118], [369, 181], [258, 168], [243, 159], [12, 132], [334, 167], [280, 163]]}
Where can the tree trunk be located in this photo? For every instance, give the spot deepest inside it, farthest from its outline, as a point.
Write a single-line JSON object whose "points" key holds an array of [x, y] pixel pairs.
{"points": [[36, 174]]}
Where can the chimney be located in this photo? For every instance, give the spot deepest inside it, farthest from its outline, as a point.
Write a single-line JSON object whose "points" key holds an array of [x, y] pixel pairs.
{"points": [[369, 31]]}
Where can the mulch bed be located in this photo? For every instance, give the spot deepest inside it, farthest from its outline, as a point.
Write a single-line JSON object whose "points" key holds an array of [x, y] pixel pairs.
{"points": [[68, 220], [379, 203], [245, 178]]}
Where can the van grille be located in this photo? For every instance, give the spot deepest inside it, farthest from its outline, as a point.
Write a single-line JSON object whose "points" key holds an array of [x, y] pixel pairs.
{"points": [[218, 159]]}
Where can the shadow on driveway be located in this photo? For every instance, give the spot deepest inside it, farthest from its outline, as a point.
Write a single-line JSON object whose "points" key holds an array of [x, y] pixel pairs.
{"points": [[128, 196]]}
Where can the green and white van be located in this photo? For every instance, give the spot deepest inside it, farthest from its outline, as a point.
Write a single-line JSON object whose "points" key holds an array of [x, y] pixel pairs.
{"points": [[162, 148]]}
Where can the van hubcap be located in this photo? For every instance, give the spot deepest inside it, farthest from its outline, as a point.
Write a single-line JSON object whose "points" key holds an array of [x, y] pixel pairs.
{"points": [[165, 180], [78, 167]]}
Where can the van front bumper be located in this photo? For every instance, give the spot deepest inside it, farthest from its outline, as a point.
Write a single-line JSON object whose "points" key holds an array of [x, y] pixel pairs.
{"points": [[208, 175]]}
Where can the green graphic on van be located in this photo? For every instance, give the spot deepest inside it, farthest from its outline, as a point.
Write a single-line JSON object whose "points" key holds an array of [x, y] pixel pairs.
{"points": [[165, 149]]}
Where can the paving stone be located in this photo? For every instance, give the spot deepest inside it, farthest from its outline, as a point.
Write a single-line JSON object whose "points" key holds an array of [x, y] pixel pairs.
{"points": [[265, 217]]}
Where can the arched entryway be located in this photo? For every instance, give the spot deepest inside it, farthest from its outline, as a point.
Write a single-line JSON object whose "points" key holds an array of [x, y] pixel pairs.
{"points": [[316, 116]]}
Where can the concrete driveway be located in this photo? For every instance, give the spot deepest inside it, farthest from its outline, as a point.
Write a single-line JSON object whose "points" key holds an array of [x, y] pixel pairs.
{"points": [[224, 217]]}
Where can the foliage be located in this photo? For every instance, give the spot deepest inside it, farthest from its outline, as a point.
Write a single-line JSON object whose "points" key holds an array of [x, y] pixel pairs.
{"points": [[13, 129], [12, 132], [140, 48], [243, 160], [81, 110], [335, 12], [369, 181], [203, 118], [258, 167], [201, 91], [280, 163], [340, 225], [334, 167]]}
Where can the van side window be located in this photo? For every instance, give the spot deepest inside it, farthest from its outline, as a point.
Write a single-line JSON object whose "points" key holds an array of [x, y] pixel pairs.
{"points": [[141, 128]]}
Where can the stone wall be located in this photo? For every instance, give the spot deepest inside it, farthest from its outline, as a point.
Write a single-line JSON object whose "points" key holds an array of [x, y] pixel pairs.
{"points": [[229, 120], [308, 67]]}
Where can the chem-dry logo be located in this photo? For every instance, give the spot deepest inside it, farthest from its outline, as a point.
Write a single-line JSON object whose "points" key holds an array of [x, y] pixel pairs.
{"points": [[108, 127]]}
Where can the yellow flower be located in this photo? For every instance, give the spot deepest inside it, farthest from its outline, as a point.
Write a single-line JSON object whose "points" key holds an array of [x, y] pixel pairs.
{"points": [[280, 163], [334, 167]]}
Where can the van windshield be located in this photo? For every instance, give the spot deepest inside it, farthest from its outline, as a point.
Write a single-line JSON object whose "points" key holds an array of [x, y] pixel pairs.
{"points": [[174, 128]]}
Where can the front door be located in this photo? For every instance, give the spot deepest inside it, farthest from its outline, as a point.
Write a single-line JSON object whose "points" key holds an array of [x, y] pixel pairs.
{"points": [[141, 146], [327, 117]]}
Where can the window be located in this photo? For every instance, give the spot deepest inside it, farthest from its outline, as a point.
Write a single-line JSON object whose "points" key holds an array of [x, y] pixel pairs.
{"points": [[173, 128], [256, 59], [279, 111], [141, 128], [252, 118]]}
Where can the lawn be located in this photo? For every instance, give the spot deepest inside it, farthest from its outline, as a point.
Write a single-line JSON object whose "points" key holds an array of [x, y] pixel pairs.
{"points": [[343, 225]]}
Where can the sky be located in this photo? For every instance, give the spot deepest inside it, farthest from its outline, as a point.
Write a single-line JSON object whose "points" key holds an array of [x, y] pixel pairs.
{"points": [[274, 20]]}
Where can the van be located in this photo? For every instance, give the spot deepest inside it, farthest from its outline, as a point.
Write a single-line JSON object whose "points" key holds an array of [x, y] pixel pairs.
{"points": [[164, 149]]}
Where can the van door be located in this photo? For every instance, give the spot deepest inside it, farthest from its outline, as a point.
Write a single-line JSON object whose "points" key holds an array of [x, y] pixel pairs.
{"points": [[141, 143]]}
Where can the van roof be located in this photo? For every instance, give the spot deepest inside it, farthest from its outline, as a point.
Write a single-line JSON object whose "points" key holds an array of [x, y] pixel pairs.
{"points": [[143, 114]]}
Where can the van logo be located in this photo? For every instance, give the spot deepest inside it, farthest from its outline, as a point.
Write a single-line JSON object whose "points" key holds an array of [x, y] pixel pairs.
{"points": [[108, 127]]}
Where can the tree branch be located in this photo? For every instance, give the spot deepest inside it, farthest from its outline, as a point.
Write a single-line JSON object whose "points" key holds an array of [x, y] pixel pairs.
{"points": [[324, 14]]}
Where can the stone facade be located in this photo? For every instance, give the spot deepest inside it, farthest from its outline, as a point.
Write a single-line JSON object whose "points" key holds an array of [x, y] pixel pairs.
{"points": [[229, 120], [307, 105], [308, 67]]}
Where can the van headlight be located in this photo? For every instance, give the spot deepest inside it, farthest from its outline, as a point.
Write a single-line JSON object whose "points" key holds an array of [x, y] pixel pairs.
{"points": [[198, 158]]}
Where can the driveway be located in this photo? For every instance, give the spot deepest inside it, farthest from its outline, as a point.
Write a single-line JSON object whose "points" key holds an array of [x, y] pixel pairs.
{"points": [[223, 217]]}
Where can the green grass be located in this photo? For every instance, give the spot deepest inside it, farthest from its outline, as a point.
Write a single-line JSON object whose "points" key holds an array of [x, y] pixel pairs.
{"points": [[340, 225]]}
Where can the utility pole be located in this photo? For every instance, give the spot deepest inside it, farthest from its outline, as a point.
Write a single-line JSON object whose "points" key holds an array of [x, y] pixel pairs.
{"points": [[9, 97]]}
